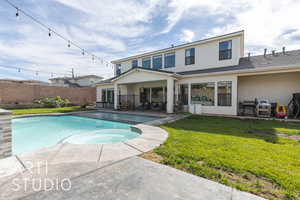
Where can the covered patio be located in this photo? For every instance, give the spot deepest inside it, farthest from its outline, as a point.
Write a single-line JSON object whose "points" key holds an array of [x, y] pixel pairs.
{"points": [[143, 89]]}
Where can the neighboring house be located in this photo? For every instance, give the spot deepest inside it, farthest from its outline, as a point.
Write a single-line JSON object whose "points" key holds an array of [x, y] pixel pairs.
{"points": [[211, 72], [79, 81], [28, 82]]}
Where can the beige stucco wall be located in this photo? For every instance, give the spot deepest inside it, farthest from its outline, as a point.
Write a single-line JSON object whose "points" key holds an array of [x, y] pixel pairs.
{"points": [[274, 87], [206, 56]]}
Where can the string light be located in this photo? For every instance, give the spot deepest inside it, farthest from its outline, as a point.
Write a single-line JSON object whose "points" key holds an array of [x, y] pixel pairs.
{"points": [[51, 31], [20, 69], [83, 52]]}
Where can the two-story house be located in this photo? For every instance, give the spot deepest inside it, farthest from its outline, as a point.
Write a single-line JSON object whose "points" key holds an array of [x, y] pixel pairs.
{"points": [[212, 73]]}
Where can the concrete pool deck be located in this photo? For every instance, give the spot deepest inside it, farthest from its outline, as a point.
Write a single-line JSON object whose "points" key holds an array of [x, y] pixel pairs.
{"points": [[106, 171]]}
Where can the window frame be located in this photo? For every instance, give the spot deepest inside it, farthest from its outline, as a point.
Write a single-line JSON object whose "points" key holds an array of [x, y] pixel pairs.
{"points": [[227, 93], [165, 59], [146, 60], [161, 63], [118, 69], [190, 60], [134, 61], [227, 51], [199, 101]]}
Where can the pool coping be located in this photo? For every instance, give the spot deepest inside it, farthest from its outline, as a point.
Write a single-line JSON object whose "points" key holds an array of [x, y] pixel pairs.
{"points": [[98, 155]]}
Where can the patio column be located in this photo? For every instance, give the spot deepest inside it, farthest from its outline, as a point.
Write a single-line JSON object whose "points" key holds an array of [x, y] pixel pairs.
{"points": [[189, 94], [116, 92], [170, 95]]}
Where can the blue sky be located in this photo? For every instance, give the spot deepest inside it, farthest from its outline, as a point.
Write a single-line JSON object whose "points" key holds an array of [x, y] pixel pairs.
{"points": [[116, 29]]}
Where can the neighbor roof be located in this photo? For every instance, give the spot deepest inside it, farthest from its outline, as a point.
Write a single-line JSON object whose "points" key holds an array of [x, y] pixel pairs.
{"points": [[181, 46], [77, 77]]}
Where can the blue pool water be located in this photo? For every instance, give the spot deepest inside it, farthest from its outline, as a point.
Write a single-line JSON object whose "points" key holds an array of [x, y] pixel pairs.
{"points": [[33, 133]]}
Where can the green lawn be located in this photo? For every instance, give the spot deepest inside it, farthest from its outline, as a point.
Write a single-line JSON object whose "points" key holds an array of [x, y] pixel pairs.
{"points": [[240, 153], [46, 110]]}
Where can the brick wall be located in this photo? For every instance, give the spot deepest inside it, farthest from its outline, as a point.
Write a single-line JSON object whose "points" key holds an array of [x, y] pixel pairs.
{"points": [[22, 94], [5, 134]]}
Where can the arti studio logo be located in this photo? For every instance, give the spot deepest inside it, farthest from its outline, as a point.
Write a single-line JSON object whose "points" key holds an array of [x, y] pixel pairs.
{"points": [[37, 178]]}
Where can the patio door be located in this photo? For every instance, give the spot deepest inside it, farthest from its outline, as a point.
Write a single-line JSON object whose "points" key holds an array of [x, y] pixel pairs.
{"points": [[183, 94], [144, 95]]}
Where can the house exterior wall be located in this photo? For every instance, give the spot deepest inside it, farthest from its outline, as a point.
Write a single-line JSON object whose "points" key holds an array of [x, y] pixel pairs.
{"points": [[274, 87], [219, 110], [206, 56]]}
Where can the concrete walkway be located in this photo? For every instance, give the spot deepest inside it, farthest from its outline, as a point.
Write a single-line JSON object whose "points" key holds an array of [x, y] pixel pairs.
{"points": [[132, 178]]}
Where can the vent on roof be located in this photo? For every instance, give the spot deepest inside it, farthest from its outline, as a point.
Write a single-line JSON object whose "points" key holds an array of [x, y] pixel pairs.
{"points": [[273, 52], [265, 52], [283, 50], [249, 56]]}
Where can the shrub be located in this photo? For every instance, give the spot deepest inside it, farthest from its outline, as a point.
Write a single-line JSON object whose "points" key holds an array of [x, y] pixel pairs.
{"points": [[53, 102]]}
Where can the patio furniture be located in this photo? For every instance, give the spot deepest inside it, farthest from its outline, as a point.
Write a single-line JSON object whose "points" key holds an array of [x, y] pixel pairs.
{"points": [[248, 108]]}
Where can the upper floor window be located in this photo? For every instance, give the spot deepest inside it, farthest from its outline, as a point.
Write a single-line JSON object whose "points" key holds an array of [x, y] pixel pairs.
{"points": [[190, 56], [134, 63], [225, 50], [118, 69], [157, 62], [146, 62], [170, 60]]}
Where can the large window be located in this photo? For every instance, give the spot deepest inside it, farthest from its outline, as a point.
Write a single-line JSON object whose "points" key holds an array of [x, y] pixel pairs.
{"points": [[108, 95], [225, 50], [134, 63], [157, 62], [103, 95], [190, 56], [146, 63], [169, 60], [203, 93], [118, 69], [224, 93]]}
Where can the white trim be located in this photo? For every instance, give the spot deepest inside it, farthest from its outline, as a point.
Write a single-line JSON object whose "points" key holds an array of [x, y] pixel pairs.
{"points": [[144, 70]]}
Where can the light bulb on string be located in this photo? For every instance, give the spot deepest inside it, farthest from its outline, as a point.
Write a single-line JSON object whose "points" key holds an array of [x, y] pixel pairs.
{"points": [[36, 73], [69, 44], [49, 32], [17, 13], [83, 52], [19, 70]]}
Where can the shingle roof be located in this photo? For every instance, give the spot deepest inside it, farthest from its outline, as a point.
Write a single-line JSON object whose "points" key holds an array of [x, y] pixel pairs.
{"points": [[255, 62]]}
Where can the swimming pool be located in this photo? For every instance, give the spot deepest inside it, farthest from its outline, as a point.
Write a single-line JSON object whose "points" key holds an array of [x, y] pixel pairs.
{"points": [[33, 133]]}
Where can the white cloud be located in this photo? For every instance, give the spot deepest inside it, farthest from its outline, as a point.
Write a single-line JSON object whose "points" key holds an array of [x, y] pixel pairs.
{"points": [[187, 36], [264, 22]]}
